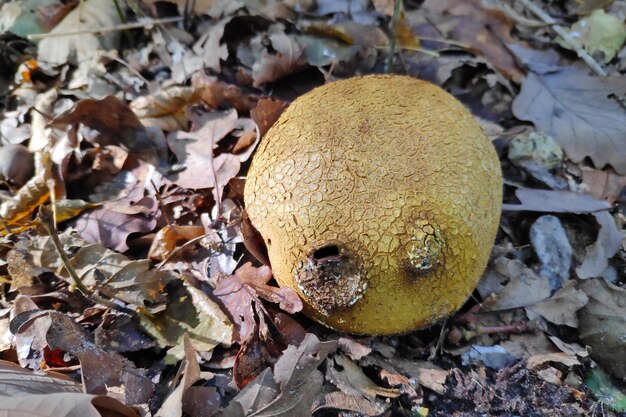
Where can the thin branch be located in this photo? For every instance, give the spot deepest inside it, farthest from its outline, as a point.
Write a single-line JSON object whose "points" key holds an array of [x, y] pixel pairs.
{"points": [[394, 33], [45, 215], [117, 28], [565, 35], [428, 52]]}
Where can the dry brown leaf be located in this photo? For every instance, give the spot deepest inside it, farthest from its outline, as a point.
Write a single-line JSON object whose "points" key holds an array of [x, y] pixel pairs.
{"points": [[384, 6], [556, 201], [524, 288], [210, 48], [486, 31], [240, 296], [194, 151], [33, 194], [89, 15], [66, 405], [111, 226], [603, 324], [266, 113], [291, 389], [561, 308], [214, 93], [288, 59], [351, 379], [567, 359], [582, 113], [340, 401], [607, 244], [169, 238], [116, 124], [172, 406], [603, 185], [166, 109]]}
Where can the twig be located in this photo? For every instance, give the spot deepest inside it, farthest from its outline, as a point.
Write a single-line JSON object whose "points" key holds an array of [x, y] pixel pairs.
{"points": [[180, 248], [45, 215], [397, 9], [157, 194], [428, 52], [125, 26], [565, 35], [446, 41]]}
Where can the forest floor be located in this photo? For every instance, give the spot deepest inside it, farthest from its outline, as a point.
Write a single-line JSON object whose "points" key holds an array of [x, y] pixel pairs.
{"points": [[127, 130]]}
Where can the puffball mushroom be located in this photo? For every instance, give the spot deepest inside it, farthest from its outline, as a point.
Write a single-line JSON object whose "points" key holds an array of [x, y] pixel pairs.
{"points": [[378, 199]]}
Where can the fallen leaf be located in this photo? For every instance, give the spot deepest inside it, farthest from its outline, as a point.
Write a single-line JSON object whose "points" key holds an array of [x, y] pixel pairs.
{"points": [[14, 211], [101, 371], [539, 61], [427, 374], [603, 185], [201, 401], [607, 244], [240, 293], [189, 311], [33, 16], [486, 31], [89, 15], [291, 389], [209, 45], [16, 381], [65, 404], [535, 146], [605, 391], [600, 34], [526, 345], [111, 228], [556, 201], [340, 401], [195, 152], [117, 125], [287, 59], [172, 406], [567, 359], [215, 93], [494, 357], [251, 360], [587, 121], [561, 308], [121, 332], [171, 238], [524, 288], [351, 379], [254, 396], [574, 348], [266, 113], [355, 349], [551, 375], [603, 324], [166, 108]]}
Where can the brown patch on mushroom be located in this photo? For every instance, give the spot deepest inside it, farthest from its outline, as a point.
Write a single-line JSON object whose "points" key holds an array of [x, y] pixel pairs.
{"points": [[331, 278], [425, 252]]}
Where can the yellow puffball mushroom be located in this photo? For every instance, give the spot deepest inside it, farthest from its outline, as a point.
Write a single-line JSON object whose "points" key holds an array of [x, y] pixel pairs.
{"points": [[378, 199]]}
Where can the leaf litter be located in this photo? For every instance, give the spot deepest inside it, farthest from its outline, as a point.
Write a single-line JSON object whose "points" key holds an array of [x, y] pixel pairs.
{"points": [[140, 140]]}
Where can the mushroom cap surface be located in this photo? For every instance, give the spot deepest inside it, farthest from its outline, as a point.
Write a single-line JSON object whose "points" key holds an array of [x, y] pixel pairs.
{"points": [[378, 199]]}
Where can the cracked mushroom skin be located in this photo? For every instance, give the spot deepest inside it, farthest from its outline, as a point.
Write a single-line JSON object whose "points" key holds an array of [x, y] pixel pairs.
{"points": [[378, 199]]}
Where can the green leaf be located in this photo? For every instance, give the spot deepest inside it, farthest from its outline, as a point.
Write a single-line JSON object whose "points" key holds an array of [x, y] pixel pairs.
{"points": [[603, 389]]}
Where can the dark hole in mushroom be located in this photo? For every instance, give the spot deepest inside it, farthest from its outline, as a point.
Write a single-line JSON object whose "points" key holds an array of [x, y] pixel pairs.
{"points": [[329, 253]]}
